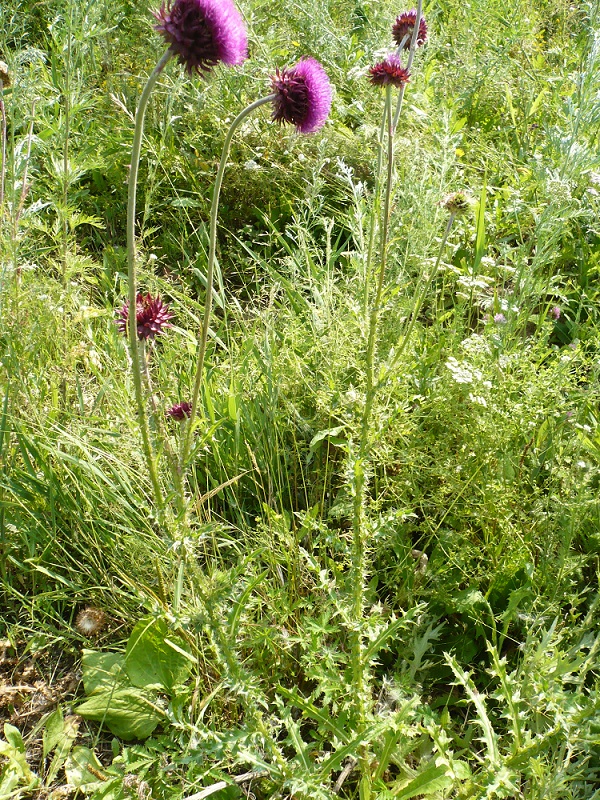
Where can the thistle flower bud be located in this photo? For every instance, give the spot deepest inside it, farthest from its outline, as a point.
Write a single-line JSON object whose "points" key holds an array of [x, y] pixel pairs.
{"points": [[302, 96], [457, 203], [180, 411], [152, 316], [389, 72], [402, 29]]}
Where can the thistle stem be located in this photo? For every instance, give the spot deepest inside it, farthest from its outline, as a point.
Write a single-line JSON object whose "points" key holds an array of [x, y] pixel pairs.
{"points": [[359, 533], [3, 137], [212, 247], [132, 278], [411, 55]]}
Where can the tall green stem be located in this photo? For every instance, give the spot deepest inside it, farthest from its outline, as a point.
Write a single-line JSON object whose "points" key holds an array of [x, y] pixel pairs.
{"points": [[212, 248], [132, 278], [359, 528], [411, 55]]}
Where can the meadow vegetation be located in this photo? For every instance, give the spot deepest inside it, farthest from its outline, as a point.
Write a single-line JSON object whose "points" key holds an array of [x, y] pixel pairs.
{"points": [[376, 574]]}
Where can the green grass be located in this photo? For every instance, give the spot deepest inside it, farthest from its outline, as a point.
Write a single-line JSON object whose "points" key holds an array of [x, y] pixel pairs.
{"points": [[480, 516]]}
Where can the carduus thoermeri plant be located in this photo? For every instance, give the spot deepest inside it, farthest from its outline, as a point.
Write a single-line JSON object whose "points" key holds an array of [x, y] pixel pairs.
{"points": [[200, 34]]}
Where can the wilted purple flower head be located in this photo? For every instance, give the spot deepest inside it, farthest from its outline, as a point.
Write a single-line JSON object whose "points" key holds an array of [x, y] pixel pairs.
{"points": [[302, 95], [389, 72], [180, 411], [402, 29], [152, 316], [500, 319], [203, 32], [555, 312]]}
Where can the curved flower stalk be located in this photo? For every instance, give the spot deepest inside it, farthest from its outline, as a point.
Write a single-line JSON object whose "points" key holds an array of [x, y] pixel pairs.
{"points": [[200, 33], [301, 96]]}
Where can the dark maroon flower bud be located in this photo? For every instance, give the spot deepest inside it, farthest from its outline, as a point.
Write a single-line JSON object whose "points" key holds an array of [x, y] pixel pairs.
{"points": [[152, 316], [389, 72], [180, 411], [402, 29]]}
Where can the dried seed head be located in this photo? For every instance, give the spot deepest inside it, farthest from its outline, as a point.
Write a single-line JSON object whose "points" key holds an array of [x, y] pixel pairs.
{"points": [[91, 621], [457, 203]]}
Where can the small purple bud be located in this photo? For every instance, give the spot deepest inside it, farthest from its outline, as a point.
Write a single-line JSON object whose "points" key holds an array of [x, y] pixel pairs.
{"points": [[402, 29], [500, 319], [152, 316], [180, 411], [555, 313], [389, 72]]}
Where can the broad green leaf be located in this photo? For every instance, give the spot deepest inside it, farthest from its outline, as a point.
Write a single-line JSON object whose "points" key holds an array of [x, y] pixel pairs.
{"points": [[53, 731], [151, 660], [127, 712], [101, 671]]}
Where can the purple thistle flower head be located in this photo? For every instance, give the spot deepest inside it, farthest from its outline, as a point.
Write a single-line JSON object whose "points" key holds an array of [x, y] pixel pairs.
{"points": [[152, 316], [180, 411], [203, 32], [404, 27], [389, 72], [302, 96], [500, 319], [555, 312]]}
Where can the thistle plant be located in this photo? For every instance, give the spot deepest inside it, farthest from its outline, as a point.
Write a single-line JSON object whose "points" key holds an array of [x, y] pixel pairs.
{"points": [[388, 74], [200, 33]]}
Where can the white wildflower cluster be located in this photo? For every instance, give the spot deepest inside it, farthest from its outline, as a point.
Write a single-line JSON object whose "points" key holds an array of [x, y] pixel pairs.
{"points": [[476, 344], [463, 372], [466, 373]]}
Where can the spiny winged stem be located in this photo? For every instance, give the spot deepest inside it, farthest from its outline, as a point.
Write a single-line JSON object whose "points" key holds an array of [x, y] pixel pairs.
{"points": [[160, 432], [212, 247], [3, 136], [238, 676], [411, 55], [359, 526], [132, 279]]}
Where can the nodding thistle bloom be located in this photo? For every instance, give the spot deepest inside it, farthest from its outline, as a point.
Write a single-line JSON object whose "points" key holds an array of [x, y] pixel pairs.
{"points": [[302, 96], [402, 29], [457, 203], [203, 32], [389, 72], [180, 411], [555, 313], [152, 316]]}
